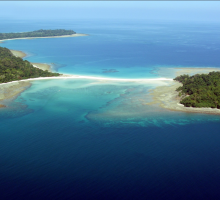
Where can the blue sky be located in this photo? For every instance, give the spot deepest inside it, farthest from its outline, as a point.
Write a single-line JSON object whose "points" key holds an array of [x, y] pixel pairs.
{"points": [[178, 10]]}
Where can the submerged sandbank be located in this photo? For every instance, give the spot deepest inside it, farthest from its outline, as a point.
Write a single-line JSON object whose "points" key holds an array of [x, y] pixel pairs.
{"points": [[193, 71], [11, 90], [62, 36], [167, 96]]}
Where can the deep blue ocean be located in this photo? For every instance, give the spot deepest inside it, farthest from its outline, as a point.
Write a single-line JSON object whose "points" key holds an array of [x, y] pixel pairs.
{"points": [[91, 139]]}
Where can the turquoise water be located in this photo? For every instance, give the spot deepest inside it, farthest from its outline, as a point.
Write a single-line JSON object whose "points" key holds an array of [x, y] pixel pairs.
{"points": [[92, 139]]}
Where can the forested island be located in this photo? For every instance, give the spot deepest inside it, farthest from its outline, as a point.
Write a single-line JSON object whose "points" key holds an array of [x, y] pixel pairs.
{"points": [[13, 68], [200, 90], [38, 33]]}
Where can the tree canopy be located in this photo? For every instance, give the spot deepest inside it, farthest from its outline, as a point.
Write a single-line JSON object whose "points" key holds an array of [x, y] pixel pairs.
{"points": [[200, 90], [38, 33], [13, 68]]}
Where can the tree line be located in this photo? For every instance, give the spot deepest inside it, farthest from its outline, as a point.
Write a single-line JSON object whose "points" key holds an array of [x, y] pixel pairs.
{"points": [[13, 68], [200, 90], [38, 33]]}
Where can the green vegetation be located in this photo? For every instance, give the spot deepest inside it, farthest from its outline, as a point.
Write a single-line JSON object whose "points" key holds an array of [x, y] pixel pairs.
{"points": [[200, 90], [13, 68], [38, 33]]}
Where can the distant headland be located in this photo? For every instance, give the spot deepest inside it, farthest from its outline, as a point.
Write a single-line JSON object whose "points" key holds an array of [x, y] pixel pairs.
{"points": [[40, 34]]}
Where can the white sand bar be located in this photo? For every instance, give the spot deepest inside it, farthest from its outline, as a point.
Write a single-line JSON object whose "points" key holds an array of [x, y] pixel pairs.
{"points": [[93, 78], [62, 36]]}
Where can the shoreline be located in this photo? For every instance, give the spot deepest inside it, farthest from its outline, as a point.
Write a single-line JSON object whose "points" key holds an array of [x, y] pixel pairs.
{"points": [[62, 36]]}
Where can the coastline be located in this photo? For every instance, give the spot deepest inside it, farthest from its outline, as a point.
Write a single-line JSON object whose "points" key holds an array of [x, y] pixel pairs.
{"points": [[167, 96], [62, 36]]}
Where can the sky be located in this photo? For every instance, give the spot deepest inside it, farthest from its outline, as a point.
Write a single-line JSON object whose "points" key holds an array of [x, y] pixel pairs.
{"points": [[170, 10]]}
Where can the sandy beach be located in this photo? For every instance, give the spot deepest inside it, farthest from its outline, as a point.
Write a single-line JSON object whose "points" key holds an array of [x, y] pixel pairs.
{"points": [[66, 76], [29, 38], [167, 97]]}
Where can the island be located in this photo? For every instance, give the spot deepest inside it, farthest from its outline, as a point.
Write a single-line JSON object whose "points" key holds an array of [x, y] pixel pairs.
{"points": [[38, 33], [200, 90], [174, 95]]}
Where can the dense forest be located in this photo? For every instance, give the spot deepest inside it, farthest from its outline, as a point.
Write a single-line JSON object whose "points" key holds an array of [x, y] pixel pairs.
{"points": [[38, 33], [13, 68], [200, 90]]}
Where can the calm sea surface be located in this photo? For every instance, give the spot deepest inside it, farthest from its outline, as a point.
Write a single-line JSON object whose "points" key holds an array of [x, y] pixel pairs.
{"points": [[89, 139]]}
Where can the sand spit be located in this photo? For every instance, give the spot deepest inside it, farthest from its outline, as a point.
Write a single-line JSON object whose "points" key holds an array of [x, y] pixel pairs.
{"points": [[65, 76], [19, 54], [73, 35], [43, 66]]}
